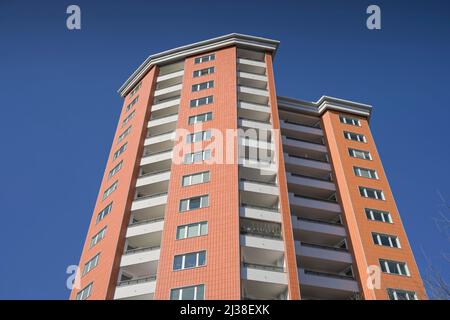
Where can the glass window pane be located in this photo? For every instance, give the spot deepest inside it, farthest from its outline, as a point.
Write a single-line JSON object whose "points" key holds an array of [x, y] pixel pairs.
{"points": [[193, 231], [177, 262], [185, 181], [175, 294], [190, 260], [200, 292], [181, 232], [194, 203], [183, 205], [202, 258], [205, 201], [205, 176], [196, 178], [188, 293], [204, 228]]}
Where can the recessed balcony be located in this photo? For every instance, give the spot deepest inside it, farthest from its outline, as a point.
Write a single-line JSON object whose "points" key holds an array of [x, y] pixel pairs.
{"points": [[152, 202], [253, 124], [260, 213], [136, 289], [263, 273], [253, 95], [311, 187], [154, 183], [163, 125], [258, 193], [156, 162], [302, 132], [254, 111], [159, 143], [322, 285], [252, 80], [318, 231], [251, 66], [170, 79], [314, 208], [310, 167], [167, 93], [305, 149], [165, 108]]}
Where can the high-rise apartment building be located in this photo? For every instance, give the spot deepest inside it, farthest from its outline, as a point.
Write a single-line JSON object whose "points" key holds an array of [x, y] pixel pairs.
{"points": [[217, 188]]}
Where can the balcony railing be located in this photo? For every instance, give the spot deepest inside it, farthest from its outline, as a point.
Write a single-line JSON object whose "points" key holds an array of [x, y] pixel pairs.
{"points": [[321, 246], [307, 141], [156, 153], [262, 267], [316, 126], [251, 206], [272, 184], [334, 223], [136, 281], [153, 117], [328, 178], [330, 275], [132, 251], [154, 173], [260, 233], [155, 195], [307, 158], [136, 223], [314, 198]]}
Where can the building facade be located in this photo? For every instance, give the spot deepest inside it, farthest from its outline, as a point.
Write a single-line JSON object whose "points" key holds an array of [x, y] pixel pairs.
{"points": [[217, 188]]}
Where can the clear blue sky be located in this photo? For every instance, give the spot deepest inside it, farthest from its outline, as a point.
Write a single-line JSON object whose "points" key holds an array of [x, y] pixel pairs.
{"points": [[60, 107]]}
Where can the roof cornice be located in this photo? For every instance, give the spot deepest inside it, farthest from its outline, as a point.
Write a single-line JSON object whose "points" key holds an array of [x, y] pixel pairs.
{"points": [[197, 48], [325, 103]]}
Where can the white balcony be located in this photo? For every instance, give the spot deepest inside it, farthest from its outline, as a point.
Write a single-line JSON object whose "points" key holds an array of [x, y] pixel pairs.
{"points": [[314, 208], [145, 227], [251, 66], [165, 108], [153, 183], [170, 78], [253, 95], [258, 112], [162, 125], [255, 144], [260, 273], [258, 193], [253, 241], [140, 256], [259, 213], [167, 93], [149, 202], [252, 80], [317, 285], [260, 125], [158, 144], [140, 289]]}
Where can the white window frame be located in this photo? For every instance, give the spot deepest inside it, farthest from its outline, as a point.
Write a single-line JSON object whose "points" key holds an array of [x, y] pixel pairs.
{"points": [[183, 260], [186, 227], [136, 88], [190, 157], [372, 174], [180, 291], [207, 115], [203, 72], [409, 294], [370, 215], [116, 169], [204, 203], [353, 151], [201, 101], [85, 293], [98, 237], [102, 214], [193, 137], [128, 118], [392, 239], [120, 151], [190, 177], [110, 190], [350, 120], [203, 86], [131, 104], [91, 264], [359, 136], [124, 134], [202, 59], [398, 264], [379, 194]]}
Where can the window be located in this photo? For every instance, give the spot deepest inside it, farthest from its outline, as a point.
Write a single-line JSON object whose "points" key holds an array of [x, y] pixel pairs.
{"points": [[202, 86], [115, 169], [189, 260], [97, 237], [354, 136], [120, 151], [386, 240], [188, 293], [209, 57], [124, 134], [195, 178], [91, 264], [104, 212], [132, 93], [110, 190], [355, 153], [192, 230], [397, 294], [350, 120], [85, 293], [365, 173], [371, 193], [378, 215], [197, 156], [198, 136], [131, 104], [394, 267], [194, 203], [128, 118], [201, 101], [200, 118], [203, 72]]}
